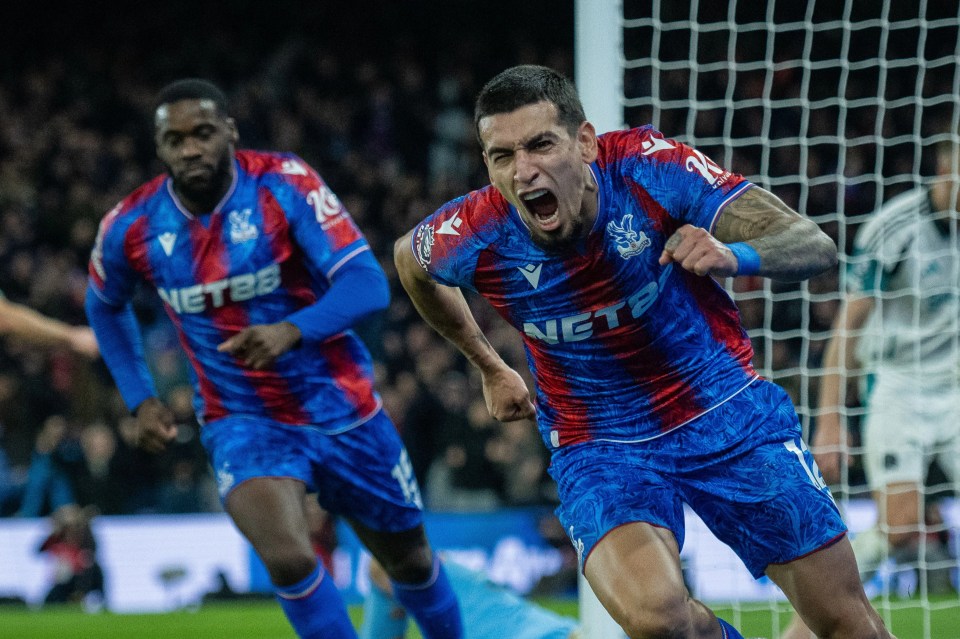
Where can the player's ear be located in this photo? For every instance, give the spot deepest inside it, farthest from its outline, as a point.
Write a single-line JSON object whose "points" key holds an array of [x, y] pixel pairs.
{"points": [[234, 133], [587, 138]]}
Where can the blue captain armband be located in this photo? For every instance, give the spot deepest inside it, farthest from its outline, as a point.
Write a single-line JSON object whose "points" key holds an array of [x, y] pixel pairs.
{"points": [[748, 260]]}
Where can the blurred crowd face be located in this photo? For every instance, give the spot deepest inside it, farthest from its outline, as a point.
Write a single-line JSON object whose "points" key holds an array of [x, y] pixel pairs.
{"points": [[540, 167], [196, 144]]}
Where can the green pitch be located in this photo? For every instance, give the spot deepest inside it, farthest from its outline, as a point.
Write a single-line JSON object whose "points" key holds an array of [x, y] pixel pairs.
{"points": [[263, 620]]}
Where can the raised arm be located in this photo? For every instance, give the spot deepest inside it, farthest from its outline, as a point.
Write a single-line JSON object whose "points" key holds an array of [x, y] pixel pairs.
{"points": [[755, 234], [445, 309]]}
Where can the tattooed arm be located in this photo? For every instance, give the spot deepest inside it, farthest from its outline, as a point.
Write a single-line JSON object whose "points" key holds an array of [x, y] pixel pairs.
{"points": [[757, 227]]}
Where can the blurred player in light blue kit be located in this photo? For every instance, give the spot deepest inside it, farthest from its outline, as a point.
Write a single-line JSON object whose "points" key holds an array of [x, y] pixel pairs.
{"points": [[263, 272], [490, 611], [602, 252]]}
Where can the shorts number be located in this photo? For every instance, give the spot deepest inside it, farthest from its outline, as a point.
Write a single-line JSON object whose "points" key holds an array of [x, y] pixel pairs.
{"points": [[403, 473]]}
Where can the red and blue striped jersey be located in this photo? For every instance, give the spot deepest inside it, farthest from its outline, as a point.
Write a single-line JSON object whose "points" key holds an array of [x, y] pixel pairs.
{"points": [[268, 250], [621, 348]]}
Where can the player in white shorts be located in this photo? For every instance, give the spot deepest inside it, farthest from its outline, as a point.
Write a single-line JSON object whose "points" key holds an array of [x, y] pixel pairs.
{"points": [[900, 325]]}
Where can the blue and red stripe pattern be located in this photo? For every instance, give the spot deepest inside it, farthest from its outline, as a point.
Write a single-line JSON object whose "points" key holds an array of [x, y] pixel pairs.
{"points": [[266, 251], [621, 348]]}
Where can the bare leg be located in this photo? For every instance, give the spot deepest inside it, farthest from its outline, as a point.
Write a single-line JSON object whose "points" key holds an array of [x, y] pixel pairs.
{"points": [[405, 556], [825, 590], [635, 573], [269, 512]]}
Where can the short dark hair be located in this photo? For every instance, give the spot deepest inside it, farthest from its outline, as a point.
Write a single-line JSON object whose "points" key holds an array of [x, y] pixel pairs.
{"points": [[192, 89], [528, 84]]}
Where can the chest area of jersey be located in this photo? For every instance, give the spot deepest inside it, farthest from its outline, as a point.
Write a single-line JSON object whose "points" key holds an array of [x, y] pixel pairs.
{"points": [[609, 286], [203, 264]]}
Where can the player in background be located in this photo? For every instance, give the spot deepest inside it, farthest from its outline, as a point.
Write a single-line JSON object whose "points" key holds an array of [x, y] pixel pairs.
{"points": [[263, 272], [490, 611], [602, 251], [897, 332], [17, 320]]}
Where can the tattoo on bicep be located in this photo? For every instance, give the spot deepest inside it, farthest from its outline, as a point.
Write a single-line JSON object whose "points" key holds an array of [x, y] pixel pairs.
{"points": [[754, 214]]}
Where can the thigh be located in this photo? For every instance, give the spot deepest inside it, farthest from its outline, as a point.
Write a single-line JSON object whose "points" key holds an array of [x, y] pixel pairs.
{"points": [[824, 588], [635, 573], [365, 475], [269, 512]]}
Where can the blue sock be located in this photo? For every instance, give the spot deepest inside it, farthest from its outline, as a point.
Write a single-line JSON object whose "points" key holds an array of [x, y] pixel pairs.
{"points": [[383, 618], [433, 605], [729, 632], [315, 608]]}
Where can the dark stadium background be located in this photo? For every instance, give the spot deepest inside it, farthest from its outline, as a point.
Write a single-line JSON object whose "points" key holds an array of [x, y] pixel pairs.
{"points": [[376, 95]]}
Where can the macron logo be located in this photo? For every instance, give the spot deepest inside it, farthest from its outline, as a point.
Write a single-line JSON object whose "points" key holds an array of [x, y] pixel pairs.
{"points": [[167, 241], [532, 273], [290, 167], [652, 145], [450, 226]]}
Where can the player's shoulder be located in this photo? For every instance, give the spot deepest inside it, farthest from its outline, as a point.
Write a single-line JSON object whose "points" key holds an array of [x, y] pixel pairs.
{"points": [[462, 226], [893, 225], [643, 144], [136, 205], [478, 212], [275, 166]]}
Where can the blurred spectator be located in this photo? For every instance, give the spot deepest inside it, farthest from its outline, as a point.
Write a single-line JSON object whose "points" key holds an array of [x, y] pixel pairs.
{"points": [[77, 576], [392, 135], [48, 486], [11, 486], [91, 467], [521, 460], [463, 477]]}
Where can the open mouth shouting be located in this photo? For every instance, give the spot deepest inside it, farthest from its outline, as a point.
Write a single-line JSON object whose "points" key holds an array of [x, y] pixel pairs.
{"points": [[543, 208]]}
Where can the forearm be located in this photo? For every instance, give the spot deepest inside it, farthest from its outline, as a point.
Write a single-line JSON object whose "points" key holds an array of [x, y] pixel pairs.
{"points": [[122, 349], [790, 246], [445, 310], [840, 362], [26, 323], [831, 382], [353, 295]]}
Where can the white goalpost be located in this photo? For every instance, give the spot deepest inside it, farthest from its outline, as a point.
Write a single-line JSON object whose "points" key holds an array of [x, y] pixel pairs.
{"points": [[835, 106]]}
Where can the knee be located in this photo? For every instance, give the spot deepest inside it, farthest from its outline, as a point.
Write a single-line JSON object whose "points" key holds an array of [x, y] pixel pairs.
{"points": [[414, 567], [902, 540], [667, 618], [288, 564], [850, 627]]}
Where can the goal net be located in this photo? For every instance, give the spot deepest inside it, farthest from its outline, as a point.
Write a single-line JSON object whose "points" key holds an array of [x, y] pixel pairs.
{"points": [[835, 106]]}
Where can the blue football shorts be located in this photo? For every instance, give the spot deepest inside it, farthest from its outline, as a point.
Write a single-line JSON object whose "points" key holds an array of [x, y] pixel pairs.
{"points": [[363, 473], [742, 468]]}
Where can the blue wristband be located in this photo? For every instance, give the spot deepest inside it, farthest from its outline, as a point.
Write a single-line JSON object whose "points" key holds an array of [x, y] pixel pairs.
{"points": [[748, 260]]}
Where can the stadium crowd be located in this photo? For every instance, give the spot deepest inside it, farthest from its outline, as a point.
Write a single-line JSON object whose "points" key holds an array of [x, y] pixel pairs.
{"points": [[386, 118], [389, 129]]}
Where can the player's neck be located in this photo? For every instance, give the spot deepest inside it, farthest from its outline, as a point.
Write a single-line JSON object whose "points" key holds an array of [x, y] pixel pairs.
{"points": [[591, 199]]}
